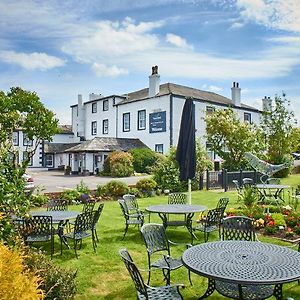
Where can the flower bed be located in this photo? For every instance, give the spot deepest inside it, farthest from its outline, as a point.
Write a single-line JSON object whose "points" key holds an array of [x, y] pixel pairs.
{"points": [[282, 223]]}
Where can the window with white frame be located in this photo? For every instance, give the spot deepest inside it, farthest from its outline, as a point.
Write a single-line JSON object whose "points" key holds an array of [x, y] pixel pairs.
{"points": [[126, 122], [94, 107], [105, 105], [142, 119], [159, 148], [26, 141], [16, 138], [247, 117], [49, 161], [105, 126], [94, 128]]}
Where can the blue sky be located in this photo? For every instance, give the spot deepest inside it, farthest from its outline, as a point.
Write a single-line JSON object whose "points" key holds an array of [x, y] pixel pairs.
{"points": [[64, 48]]}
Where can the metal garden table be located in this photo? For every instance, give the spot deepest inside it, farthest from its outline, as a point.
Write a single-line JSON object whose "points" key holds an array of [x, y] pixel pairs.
{"points": [[187, 210], [272, 190], [243, 263], [58, 216]]}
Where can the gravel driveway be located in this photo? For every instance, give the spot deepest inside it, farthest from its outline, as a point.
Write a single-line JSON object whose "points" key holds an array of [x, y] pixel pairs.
{"points": [[56, 181]]}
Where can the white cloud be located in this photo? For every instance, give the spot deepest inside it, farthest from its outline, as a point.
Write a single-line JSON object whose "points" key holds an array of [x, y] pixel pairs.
{"points": [[32, 61], [103, 70], [286, 39], [277, 14], [236, 25], [211, 88], [177, 41], [112, 39]]}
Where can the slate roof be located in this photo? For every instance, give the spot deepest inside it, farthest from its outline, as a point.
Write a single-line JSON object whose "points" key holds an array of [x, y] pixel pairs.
{"points": [[57, 147], [184, 91], [108, 144]]}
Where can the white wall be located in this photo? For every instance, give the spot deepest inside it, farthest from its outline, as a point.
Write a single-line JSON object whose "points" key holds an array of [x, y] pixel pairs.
{"points": [[151, 105], [99, 116]]}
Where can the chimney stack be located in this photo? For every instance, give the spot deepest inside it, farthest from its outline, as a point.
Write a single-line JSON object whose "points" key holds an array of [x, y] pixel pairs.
{"points": [[267, 104], [94, 96], [236, 94], [81, 114], [154, 82]]}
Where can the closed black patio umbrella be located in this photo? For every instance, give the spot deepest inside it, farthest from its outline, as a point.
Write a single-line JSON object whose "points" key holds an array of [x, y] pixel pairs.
{"points": [[186, 147]]}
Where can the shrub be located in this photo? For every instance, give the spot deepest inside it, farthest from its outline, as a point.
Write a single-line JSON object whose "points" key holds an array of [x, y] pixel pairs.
{"points": [[249, 196], [166, 173], [70, 195], [82, 188], [279, 219], [115, 189], [146, 186], [106, 167], [292, 218], [38, 198], [256, 212], [57, 283], [143, 159], [17, 282], [121, 164]]}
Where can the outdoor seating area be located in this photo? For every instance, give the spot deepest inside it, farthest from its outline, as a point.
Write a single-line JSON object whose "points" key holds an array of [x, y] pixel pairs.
{"points": [[162, 258]]}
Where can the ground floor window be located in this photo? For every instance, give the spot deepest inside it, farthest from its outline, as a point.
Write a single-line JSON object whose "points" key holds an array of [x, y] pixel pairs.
{"points": [[49, 161], [159, 148]]}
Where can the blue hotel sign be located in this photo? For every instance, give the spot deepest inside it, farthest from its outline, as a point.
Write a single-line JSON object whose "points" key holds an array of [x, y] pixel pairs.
{"points": [[157, 122]]}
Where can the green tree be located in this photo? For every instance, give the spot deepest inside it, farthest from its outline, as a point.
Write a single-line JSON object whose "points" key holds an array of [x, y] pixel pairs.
{"points": [[295, 140], [230, 138], [277, 125], [19, 110]]}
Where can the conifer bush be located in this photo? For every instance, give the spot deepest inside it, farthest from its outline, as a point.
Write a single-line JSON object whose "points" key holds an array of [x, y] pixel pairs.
{"points": [[17, 281]]}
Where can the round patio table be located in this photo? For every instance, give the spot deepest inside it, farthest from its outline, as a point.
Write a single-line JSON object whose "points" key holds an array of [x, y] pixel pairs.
{"points": [[58, 216], [243, 263], [163, 210]]}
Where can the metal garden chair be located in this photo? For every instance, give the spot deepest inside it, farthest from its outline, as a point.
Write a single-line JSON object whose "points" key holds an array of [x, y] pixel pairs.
{"points": [[82, 228], [238, 189], [130, 219], [248, 182], [238, 228], [156, 240], [177, 198], [97, 214], [38, 229], [144, 291], [222, 203], [241, 228], [133, 206], [210, 222], [57, 204], [88, 206]]}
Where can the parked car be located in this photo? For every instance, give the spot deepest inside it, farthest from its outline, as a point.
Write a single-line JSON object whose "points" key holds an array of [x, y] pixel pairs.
{"points": [[29, 183]]}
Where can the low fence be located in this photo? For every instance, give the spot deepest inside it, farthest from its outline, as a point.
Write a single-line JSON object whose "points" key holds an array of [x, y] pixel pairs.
{"points": [[223, 179]]}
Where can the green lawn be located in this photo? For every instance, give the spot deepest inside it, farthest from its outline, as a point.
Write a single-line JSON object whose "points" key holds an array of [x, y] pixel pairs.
{"points": [[102, 275]]}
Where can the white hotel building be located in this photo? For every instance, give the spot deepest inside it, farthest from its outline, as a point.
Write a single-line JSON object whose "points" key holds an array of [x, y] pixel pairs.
{"points": [[150, 116]]}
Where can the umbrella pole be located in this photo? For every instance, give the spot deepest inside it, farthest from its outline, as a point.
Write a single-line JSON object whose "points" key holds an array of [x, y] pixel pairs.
{"points": [[190, 190]]}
